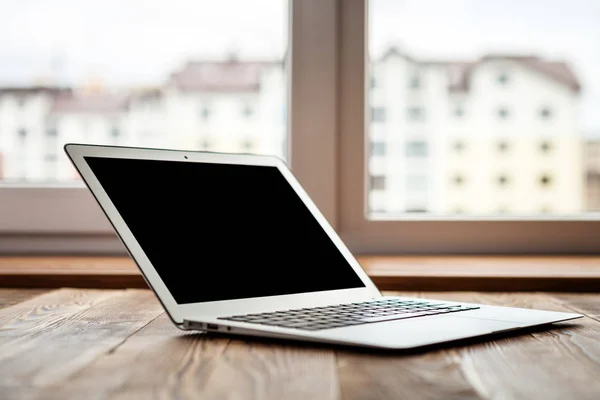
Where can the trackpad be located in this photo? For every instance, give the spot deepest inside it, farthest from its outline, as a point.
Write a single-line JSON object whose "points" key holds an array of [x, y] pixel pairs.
{"points": [[423, 331]]}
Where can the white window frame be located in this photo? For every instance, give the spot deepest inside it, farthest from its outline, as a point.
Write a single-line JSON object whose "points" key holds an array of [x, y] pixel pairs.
{"points": [[422, 234], [327, 152]]}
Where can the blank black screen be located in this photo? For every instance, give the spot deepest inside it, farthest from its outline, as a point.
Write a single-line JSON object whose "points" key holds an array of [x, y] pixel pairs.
{"points": [[221, 231]]}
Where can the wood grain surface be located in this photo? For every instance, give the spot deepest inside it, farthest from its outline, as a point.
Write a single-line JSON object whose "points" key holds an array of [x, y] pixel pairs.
{"points": [[91, 344]]}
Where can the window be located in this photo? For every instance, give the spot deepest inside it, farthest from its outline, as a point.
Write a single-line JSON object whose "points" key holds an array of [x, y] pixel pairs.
{"points": [[247, 111], [205, 144], [377, 114], [502, 78], [546, 113], [415, 81], [415, 113], [378, 149], [51, 131], [502, 146], [247, 145], [458, 180], [378, 182], [416, 149], [546, 146], [165, 83], [474, 65], [502, 180], [205, 113], [503, 113], [545, 180], [326, 130], [458, 146]]}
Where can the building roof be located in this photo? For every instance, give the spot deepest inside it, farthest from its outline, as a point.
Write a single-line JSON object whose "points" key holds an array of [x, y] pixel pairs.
{"points": [[220, 76], [460, 72], [91, 103]]}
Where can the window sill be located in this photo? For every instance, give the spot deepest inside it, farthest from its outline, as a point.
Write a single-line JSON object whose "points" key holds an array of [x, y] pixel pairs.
{"points": [[415, 273]]}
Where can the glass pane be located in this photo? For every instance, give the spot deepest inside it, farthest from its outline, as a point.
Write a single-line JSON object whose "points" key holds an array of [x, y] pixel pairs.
{"points": [[181, 74], [483, 107]]}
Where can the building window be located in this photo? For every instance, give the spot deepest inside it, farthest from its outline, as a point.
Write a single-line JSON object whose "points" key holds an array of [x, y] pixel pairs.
{"points": [[415, 81], [377, 114], [502, 146], [459, 111], [416, 149], [415, 113], [378, 182], [373, 82], [416, 183], [378, 149], [503, 113], [502, 180], [458, 146], [458, 180], [546, 147], [502, 78], [546, 113], [247, 144], [205, 112], [205, 144], [247, 111], [545, 180]]}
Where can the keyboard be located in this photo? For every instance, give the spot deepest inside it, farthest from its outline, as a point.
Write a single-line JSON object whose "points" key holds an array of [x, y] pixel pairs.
{"points": [[336, 316]]}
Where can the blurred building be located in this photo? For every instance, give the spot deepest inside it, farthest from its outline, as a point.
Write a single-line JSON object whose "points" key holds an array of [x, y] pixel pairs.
{"points": [[228, 106], [25, 141], [496, 135], [592, 157]]}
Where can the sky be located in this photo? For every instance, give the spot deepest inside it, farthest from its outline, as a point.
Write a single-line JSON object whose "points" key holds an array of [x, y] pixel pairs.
{"points": [[135, 42]]}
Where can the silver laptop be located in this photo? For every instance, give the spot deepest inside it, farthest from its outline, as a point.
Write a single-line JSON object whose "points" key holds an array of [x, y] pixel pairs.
{"points": [[231, 243]]}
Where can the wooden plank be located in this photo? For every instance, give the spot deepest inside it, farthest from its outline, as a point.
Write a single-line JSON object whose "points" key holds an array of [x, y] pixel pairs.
{"points": [[587, 304], [8, 297], [39, 351], [162, 362], [561, 363], [431, 375], [448, 273]]}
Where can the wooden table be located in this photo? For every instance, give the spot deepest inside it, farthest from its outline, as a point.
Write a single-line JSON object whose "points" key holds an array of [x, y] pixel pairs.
{"points": [[98, 343]]}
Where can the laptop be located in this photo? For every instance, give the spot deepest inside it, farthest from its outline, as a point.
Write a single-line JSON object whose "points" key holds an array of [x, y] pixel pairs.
{"points": [[232, 243]]}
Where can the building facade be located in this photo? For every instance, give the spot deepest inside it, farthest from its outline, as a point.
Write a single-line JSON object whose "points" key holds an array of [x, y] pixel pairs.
{"points": [[226, 106], [496, 135], [592, 157]]}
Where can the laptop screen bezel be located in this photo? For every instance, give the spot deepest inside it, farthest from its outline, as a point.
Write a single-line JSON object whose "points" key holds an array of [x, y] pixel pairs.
{"points": [[179, 312]]}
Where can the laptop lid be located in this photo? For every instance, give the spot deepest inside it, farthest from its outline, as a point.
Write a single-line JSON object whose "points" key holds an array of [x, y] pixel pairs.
{"points": [[216, 234]]}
